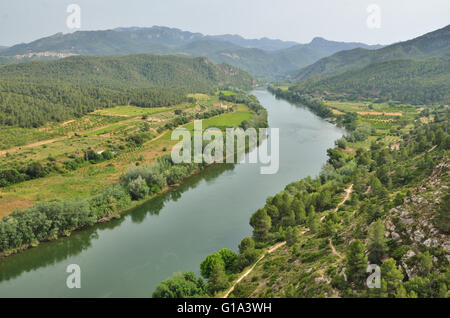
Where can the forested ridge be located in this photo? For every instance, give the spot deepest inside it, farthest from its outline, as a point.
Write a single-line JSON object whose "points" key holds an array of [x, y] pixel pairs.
{"points": [[36, 92], [432, 44], [405, 80]]}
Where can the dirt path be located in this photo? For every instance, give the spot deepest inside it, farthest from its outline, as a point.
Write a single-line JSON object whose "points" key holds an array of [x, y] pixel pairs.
{"points": [[348, 192], [32, 145], [270, 250], [333, 250]]}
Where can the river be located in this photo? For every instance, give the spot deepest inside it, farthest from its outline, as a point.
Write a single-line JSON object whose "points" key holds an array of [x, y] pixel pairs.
{"points": [[128, 257]]}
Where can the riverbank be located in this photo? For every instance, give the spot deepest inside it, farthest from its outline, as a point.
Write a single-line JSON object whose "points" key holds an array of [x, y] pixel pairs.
{"points": [[350, 213], [106, 214]]}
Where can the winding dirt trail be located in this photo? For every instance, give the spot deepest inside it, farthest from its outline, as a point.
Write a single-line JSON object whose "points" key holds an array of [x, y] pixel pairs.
{"points": [[248, 271], [334, 251], [348, 192]]}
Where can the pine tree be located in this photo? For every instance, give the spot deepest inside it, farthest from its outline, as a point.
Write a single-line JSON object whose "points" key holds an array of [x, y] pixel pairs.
{"points": [[261, 223], [376, 242], [356, 264]]}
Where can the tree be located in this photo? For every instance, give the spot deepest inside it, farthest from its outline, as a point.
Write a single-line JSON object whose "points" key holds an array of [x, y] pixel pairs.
{"points": [[292, 235], [185, 285], [218, 279], [421, 286], [356, 264], [425, 263], [299, 210], [391, 279], [246, 244], [229, 258], [341, 143], [261, 224], [273, 212], [206, 267], [247, 253], [313, 221], [443, 218], [376, 242], [376, 188]]}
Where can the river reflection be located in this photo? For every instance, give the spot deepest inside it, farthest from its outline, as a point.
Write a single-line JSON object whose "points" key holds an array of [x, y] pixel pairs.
{"points": [[57, 251]]}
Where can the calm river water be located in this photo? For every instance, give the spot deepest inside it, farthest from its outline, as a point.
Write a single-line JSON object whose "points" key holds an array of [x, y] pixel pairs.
{"points": [[174, 232]]}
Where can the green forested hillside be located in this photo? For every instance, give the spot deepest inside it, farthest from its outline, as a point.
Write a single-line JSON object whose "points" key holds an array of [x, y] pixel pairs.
{"points": [[170, 72], [407, 81], [36, 92], [433, 44], [6, 60]]}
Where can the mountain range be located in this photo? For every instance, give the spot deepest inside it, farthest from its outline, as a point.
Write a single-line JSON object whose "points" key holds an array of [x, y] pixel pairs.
{"points": [[432, 44], [261, 57]]}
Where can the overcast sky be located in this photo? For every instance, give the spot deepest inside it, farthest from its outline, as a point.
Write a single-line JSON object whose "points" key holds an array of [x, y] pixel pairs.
{"points": [[295, 20]]}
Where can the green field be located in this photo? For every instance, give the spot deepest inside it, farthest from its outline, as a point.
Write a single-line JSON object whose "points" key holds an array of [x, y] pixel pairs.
{"points": [[225, 120], [130, 111], [106, 130], [386, 110]]}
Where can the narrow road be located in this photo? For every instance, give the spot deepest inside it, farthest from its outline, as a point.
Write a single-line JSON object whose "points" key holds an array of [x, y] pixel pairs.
{"points": [[248, 271]]}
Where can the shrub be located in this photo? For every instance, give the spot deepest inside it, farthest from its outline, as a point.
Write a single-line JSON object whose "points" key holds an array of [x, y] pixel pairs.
{"points": [[35, 170], [138, 188], [10, 176], [175, 174]]}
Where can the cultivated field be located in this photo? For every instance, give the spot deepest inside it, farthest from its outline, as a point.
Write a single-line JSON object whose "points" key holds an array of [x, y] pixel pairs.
{"points": [[57, 144]]}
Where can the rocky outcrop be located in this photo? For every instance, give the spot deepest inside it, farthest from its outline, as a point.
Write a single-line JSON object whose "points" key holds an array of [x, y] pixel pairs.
{"points": [[412, 224]]}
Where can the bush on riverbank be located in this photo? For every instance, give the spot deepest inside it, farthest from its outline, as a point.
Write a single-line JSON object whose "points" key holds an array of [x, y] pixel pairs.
{"points": [[49, 220]]}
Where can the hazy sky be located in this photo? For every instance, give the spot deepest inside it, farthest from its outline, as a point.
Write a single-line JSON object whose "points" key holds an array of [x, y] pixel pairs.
{"points": [[295, 20]]}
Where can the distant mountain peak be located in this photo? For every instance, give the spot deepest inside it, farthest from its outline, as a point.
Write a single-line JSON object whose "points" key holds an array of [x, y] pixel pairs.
{"points": [[318, 39]]}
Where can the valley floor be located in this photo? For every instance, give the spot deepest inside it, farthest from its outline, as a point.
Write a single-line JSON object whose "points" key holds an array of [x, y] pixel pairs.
{"points": [[106, 129]]}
